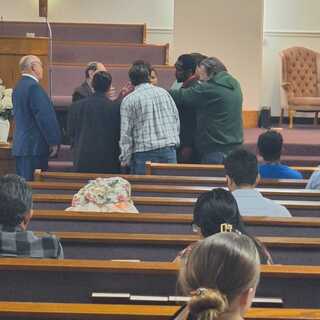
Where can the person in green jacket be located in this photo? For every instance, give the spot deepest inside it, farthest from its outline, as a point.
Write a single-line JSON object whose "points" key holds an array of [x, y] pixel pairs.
{"points": [[217, 101]]}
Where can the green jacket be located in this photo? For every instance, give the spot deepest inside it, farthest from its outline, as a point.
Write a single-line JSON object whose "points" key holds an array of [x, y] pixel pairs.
{"points": [[218, 105]]}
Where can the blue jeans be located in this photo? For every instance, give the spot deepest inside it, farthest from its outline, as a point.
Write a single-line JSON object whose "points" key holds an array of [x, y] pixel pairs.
{"points": [[162, 155], [213, 158]]}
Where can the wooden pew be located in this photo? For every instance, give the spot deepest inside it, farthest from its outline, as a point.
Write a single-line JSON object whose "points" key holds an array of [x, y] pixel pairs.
{"points": [[165, 247], [73, 281], [153, 179], [159, 223], [206, 170], [169, 205], [173, 191], [75, 311]]}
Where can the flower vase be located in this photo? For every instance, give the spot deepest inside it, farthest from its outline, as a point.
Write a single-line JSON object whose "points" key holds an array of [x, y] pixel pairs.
{"points": [[4, 130]]}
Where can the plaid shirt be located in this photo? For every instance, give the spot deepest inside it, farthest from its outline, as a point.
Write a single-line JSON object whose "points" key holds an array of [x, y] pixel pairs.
{"points": [[15, 242], [149, 121]]}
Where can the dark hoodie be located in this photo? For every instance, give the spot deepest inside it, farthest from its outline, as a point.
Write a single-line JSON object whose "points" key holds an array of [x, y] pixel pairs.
{"points": [[218, 105]]}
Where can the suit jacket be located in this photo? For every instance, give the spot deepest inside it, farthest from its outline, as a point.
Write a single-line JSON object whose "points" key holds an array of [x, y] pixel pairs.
{"points": [[36, 125], [94, 129], [81, 92]]}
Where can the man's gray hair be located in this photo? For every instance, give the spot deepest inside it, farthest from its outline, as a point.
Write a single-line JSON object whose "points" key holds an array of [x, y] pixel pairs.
{"points": [[213, 66], [26, 62]]}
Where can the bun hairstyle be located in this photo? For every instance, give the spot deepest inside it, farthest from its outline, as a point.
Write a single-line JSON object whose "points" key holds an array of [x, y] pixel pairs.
{"points": [[207, 304], [218, 269]]}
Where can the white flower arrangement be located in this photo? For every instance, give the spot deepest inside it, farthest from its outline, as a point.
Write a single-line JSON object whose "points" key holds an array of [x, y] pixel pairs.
{"points": [[6, 105]]}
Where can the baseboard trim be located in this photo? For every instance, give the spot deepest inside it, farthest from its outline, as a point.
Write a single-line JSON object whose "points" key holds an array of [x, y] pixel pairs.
{"points": [[250, 118]]}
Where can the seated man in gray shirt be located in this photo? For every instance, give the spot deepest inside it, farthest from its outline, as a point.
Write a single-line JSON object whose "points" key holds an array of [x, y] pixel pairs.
{"points": [[15, 215], [241, 168]]}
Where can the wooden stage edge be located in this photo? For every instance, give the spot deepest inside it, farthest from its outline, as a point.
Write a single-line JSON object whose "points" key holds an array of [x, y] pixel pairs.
{"points": [[250, 118]]}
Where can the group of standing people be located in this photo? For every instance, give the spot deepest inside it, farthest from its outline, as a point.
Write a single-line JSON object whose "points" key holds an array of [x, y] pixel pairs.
{"points": [[198, 120]]}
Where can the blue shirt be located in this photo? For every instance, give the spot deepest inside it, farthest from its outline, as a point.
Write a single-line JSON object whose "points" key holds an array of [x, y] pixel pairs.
{"points": [[278, 171]]}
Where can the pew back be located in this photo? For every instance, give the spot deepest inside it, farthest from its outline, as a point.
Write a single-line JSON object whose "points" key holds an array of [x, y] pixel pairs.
{"points": [[75, 311], [173, 180], [158, 223], [165, 247], [170, 204], [73, 281], [206, 170]]}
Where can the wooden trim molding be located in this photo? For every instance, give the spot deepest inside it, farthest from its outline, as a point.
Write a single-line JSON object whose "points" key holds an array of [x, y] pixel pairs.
{"points": [[250, 118]]}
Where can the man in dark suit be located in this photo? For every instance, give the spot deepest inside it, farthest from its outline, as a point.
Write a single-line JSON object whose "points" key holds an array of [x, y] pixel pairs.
{"points": [[94, 129], [85, 89], [37, 133]]}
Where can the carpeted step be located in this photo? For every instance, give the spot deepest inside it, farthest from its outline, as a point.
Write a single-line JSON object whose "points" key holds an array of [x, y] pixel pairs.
{"points": [[124, 33], [109, 53], [67, 77]]}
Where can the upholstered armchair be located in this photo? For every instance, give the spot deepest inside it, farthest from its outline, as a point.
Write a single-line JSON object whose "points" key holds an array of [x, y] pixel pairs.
{"points": [[300, 82]]}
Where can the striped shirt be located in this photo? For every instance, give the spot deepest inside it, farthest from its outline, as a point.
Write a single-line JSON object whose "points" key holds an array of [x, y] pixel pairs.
{"points": [[149, 121]]}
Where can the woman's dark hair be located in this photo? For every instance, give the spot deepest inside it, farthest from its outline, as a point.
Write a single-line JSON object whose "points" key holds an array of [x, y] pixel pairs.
{"points": [[214, 208], [218, 270], [217, 207]]}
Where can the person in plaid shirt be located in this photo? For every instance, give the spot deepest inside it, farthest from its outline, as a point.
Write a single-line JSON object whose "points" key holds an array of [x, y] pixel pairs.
{"points": [[149, 123], [15, 214]]}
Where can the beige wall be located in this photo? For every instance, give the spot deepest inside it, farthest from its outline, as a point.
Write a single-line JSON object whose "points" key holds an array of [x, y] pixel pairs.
{"points": [[157, 14], [288, 23], [229, 29]]}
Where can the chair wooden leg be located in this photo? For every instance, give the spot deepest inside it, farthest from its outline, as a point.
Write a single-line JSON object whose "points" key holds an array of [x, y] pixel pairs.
{"points": [[316, 116], [291, 115]]}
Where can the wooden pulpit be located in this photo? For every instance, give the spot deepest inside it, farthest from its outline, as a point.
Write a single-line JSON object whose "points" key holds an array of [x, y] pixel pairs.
{"points": [[12, 49]]}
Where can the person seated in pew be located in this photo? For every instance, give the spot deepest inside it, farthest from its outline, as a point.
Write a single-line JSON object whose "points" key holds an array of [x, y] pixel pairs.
{"points": [[241, 167], [217, 211], [270, 147], [94, 129], [314, 180], [86, 89], [221, 275], [104, 195], [15, 215]]}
